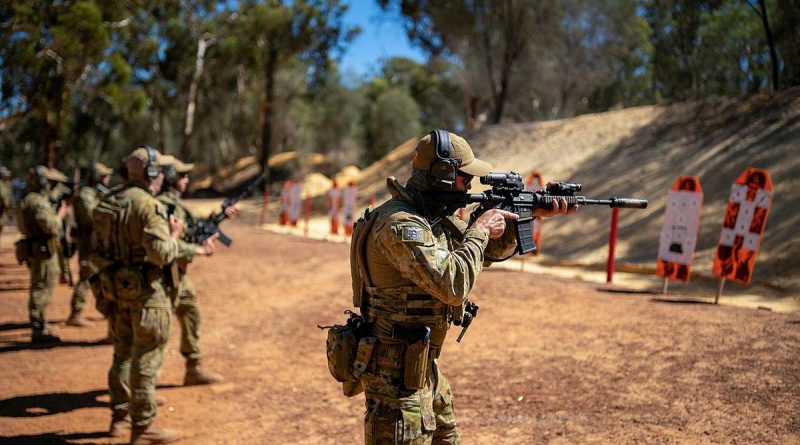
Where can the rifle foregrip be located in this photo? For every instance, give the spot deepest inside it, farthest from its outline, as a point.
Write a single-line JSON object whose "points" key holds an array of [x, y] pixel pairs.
{"points": [[629, 203]]}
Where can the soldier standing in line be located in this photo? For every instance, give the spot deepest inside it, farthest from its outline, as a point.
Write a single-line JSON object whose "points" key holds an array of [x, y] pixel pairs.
{"points": [[415, 267], [6, 198], [64, 191], [41, 227], [98, 177], [176, 181], [135, 244]]}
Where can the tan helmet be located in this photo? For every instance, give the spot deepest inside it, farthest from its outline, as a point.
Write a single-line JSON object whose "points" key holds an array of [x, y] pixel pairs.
{"points": [[101, 170], [152, 160], [444, 154]]}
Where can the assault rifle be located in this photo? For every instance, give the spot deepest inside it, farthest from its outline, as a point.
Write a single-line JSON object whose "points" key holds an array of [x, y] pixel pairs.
{"points": [[200, 230], [508, 193]]}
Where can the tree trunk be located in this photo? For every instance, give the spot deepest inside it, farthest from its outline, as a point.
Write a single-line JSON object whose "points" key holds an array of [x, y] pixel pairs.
{"points": [[269, 99], [203, 43], [772, 53]]}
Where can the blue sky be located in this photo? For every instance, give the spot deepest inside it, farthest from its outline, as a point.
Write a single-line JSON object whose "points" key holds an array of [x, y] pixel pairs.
{"points": [[382, 36]]}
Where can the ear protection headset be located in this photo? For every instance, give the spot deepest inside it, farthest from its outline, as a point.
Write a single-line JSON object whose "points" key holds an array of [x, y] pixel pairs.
{"points": [[170, 175], [151, 168], [444, 168]]}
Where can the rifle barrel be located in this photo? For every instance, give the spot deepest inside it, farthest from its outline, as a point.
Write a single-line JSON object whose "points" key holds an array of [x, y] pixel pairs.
{"points": [[625, 203]]}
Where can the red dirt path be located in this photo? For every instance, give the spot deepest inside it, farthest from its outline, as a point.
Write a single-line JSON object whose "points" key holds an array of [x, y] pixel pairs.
{"points": [[548, 360]]}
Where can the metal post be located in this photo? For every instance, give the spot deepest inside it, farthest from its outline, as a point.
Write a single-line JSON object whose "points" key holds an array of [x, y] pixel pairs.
{"points": [[665, 286], [719, 289], [307, 214], [612, 242]]}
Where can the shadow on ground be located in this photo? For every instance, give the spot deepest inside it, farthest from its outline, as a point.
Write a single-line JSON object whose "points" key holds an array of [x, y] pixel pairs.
{"points": [[38, 405], [52, 438], [21, 346]]}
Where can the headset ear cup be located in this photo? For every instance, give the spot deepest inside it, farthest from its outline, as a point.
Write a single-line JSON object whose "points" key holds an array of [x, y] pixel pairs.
{"points": [[152, 168], [443, 169]]}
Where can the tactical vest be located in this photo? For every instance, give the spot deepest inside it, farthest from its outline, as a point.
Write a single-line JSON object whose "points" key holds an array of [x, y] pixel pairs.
{"points": [[402, 305], [109, 223]]}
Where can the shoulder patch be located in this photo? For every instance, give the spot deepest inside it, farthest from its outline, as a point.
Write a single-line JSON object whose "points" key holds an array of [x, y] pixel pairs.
{"points": [[411, 233]]}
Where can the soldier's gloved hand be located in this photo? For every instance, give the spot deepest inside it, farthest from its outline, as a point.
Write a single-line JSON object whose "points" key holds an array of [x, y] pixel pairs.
{"points": [[493, 222], [63, 210], [176, 227], [231, 211], [560, 207], [208, 246]]}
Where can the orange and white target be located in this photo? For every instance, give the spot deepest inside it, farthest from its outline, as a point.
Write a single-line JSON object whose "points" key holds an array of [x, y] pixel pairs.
{"points": [[679, 232], [743, 226]]}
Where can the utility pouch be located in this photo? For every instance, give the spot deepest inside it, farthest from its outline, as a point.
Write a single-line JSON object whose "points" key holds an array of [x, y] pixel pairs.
{"points": [[342, 348], [105, 281], [22, 250], [364, 353], [129, 284], [415, 359], [40, 249]]}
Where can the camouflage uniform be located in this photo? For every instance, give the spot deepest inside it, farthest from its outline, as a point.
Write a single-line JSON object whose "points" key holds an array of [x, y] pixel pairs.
{"points": [[420, 276], [84, 204], [186, 307], [133, 277], [40, 225]]}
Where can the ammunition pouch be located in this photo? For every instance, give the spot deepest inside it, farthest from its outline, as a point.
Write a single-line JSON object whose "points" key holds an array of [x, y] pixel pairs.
{"points": [[120, 282], [407, 305], [22, 250], [349, 351], [34, 248], [128, 283]]}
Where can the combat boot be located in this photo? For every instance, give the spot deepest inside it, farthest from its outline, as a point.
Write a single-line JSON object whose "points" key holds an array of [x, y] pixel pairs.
{"points": [[120, 423], [195, 375], [43, 336], [151, 434], [77, 319]]}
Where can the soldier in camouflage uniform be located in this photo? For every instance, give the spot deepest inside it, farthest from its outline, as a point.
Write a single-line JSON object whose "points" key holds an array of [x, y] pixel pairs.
{"points": [[416, 268], [134, 244], [98, 178], [176, 181], [40, 225], [6, 198]]}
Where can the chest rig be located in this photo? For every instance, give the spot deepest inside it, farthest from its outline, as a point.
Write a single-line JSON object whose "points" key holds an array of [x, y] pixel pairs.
{"points": [[401, 305]]}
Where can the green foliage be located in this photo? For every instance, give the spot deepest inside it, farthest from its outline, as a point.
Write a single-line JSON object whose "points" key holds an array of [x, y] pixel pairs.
{"points": [[392, 119], [214, 80]]}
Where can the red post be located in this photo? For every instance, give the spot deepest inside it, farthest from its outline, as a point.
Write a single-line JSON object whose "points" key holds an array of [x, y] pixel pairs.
{"points": [[308, 213], [612, 242]]}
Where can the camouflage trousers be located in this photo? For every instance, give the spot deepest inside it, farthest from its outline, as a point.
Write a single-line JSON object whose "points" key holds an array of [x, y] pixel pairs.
{"points": [[399, 416], [81, 288], [188, 314], [140, 332], [44, 278]]}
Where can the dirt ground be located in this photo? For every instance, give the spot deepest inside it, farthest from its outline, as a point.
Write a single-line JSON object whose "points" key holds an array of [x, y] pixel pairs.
{"points": [[548, 360]]}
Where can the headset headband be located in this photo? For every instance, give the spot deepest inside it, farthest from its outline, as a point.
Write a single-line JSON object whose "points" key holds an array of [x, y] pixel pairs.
{"points": [[151, 168], [444, 169]]}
